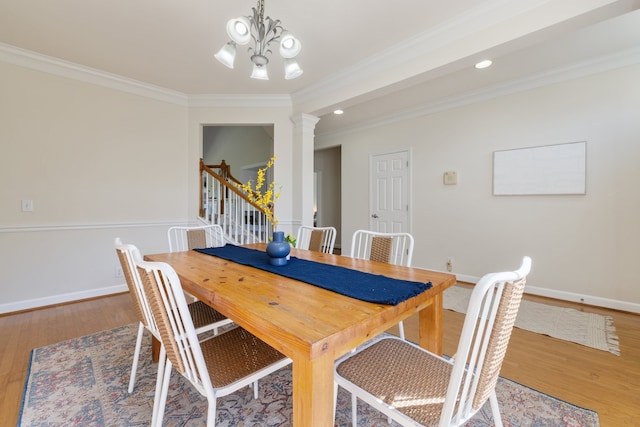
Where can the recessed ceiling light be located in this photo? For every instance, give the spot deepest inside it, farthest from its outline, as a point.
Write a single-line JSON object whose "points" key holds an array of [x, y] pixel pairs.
{"points": [[338, 112], [483, 64]]}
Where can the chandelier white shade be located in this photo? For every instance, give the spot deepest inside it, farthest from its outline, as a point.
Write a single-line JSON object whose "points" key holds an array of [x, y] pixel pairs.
{"points": [[238, 30], [259, 72], [290, 46], [262, 31], [291, 69], [227, 55]]}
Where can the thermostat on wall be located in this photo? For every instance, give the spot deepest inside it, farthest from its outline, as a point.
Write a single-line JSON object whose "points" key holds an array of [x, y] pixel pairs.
{"points": [[450, 178]]}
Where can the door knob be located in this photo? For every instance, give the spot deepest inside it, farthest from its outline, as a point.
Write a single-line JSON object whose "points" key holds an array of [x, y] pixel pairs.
{"points": [[374, 216]]}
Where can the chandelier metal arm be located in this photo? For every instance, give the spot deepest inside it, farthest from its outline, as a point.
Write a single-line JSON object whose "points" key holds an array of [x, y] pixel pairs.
{"points": [[263, 35]]}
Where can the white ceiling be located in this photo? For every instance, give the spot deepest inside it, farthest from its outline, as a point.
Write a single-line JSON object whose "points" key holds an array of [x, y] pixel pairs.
{"points": [[373, 58]]}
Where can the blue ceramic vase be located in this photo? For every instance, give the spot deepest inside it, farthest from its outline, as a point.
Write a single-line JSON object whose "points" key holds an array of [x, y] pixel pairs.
{"points": [[278, 249]]}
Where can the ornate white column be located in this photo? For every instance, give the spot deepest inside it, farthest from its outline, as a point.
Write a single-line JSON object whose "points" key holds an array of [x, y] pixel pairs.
{"points": [[302, 168]]}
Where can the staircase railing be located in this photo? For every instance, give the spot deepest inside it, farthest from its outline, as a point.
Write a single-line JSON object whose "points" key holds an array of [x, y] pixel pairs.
{"points": [[223, 203]]}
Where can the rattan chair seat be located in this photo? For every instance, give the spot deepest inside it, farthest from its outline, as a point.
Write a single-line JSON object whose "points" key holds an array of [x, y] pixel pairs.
{"points": [[236, 354], [203, 315], [393, 371]]}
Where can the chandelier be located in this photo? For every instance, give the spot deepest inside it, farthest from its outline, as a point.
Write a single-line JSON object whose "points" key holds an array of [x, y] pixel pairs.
{"points": [[263, 31]]}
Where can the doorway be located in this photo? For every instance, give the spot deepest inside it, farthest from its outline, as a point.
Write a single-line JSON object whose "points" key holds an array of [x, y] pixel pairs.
{"points": [[244, 147], [327, 164]]}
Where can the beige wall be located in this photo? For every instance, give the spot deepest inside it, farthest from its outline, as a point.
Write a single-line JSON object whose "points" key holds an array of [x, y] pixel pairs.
{"points": [[582, 246], [99, 163], [79, 151]]}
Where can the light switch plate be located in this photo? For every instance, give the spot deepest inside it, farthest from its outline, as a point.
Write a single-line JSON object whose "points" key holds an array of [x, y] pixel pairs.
{"points": [[27, 206]]}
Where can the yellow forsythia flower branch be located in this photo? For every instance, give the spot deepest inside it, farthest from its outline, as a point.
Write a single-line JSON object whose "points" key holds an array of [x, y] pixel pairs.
{"points": [[264, 200]]}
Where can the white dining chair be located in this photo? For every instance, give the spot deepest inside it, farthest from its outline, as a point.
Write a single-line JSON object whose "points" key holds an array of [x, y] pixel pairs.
{"points": [[390, 248], [215, 367], [415, 387], [319, 239], [186, 238], [183, 238], [205, 318]]}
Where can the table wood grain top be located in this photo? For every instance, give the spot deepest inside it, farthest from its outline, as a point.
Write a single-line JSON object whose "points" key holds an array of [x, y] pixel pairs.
{"points": [[294, 316]]}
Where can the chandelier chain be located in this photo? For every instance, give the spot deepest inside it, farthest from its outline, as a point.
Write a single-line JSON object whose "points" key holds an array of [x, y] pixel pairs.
{"points": [[261, 10]]}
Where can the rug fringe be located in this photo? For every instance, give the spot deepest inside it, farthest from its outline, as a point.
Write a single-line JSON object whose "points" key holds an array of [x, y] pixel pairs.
{"points": [[613, 341]]}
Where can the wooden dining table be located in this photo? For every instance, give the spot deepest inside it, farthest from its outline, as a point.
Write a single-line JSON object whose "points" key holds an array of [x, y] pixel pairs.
{"points": [[311, 325]]}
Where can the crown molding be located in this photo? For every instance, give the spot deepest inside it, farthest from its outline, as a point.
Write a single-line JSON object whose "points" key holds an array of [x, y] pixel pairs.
{"points": [[575, 71], [48, 64], [422, 45], [240, 101]]}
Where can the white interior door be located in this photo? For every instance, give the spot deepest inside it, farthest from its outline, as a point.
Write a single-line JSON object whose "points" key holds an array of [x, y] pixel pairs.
{"points": [[389, 192]]}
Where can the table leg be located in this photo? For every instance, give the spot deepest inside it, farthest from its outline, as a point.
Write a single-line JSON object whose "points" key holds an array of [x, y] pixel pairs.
{"points": [[431, 328], [313, 398]]}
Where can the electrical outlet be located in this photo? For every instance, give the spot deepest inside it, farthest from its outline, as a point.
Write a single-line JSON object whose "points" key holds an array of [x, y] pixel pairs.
{"points": [[449, 264], [450, 178], [118, 272]]}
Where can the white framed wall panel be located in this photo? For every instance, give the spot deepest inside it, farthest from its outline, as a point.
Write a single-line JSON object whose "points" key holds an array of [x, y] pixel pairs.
{"points": [[545, 170]]}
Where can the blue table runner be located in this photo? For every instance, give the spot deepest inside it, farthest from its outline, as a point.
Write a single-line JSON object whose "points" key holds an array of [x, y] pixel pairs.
{"points": [[352, 283]]}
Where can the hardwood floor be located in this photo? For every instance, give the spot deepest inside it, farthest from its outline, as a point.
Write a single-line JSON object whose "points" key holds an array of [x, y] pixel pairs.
{"points": [[19, 333], [589, 378]]}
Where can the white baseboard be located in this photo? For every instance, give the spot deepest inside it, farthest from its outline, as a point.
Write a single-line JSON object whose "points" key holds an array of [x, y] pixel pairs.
{"points": [[584, 299], [569, 296], [62, 298]]}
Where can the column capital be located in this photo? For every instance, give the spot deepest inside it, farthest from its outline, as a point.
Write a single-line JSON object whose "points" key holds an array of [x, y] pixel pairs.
{"points": [[305, 121]]}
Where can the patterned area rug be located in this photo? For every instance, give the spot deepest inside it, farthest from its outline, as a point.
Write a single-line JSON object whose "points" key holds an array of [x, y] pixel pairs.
{"points": [[588, 329], [83, 382]]}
